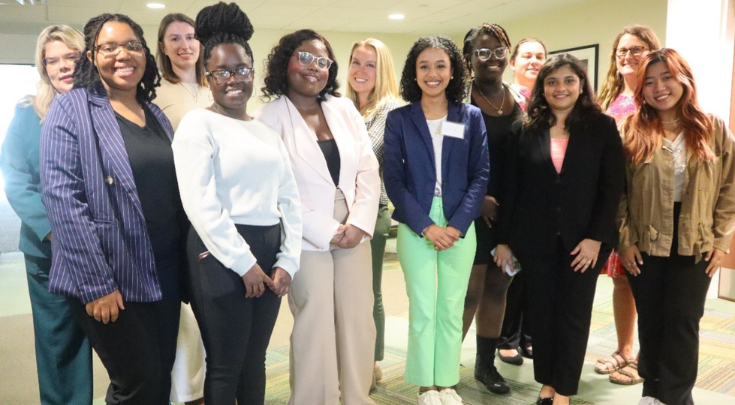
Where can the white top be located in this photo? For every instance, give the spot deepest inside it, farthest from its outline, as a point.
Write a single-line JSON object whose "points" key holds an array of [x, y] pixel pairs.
{"points": [[435, 129], [678, 151], [236, 172]]}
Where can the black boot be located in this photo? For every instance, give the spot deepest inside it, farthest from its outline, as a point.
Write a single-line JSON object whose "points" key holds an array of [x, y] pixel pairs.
{"points": [[485, 370]]}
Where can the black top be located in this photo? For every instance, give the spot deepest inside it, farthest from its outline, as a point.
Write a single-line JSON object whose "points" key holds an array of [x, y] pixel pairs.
{"points": [[331, 155], [540, 205], [152, 162], [498, 131]]}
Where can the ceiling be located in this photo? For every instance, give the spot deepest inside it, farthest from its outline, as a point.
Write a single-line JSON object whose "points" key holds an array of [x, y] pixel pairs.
{"points": [[422, 16]]}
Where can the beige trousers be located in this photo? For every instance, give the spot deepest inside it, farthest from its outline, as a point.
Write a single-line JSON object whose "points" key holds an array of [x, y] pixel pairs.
{"points": [[333, 337]]}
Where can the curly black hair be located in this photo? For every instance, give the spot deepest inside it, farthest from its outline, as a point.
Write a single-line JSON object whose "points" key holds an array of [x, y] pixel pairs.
{"points": [[540, 116], [410, 90], [276, 79], [223, 24], [86, 74], [493, 30]]}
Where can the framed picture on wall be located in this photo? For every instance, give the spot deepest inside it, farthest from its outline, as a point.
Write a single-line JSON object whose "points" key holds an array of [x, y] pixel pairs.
{"points": [[588, 55]]}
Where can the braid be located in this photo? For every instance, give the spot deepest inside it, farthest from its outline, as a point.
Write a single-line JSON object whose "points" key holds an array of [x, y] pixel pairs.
{"points": [[223, 24]]}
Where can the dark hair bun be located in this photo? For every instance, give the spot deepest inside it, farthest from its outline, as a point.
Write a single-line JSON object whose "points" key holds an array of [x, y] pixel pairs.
{"points": [[223, 18]]}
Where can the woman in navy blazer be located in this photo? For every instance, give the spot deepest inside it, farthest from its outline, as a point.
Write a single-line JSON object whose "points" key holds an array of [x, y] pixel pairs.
{"points": [[436, 171], [110, 189], [563, 177]]}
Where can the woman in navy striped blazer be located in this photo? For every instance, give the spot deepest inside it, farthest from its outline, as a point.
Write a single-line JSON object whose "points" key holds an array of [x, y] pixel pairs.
{"points": [[110, 189]]}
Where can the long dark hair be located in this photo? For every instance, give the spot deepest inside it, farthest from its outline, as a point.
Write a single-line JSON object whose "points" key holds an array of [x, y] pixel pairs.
{"points": [[86, 74], [410, 90], [539, 115], [276, 80]]}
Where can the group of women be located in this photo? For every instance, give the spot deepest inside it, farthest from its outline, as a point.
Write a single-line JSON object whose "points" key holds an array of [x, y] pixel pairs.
{"points": [[509, 198]]}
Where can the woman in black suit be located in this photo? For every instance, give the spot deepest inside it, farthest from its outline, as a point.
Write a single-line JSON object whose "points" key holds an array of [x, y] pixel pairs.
{"points": [[564, 176]]}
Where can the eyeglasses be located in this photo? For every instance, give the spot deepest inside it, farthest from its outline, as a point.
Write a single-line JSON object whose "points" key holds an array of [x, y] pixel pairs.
{"points": [[221, 76], [69, 59], [484, 54], [113, 48], [634, 51], [306, 59]]}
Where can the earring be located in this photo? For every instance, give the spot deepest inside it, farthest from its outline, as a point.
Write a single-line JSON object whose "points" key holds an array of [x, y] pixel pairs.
{"points": [[452, 78]]}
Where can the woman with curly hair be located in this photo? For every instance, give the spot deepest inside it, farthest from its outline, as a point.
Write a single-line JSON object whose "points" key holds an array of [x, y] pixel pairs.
{"points": [[436, 171], [109, 185], [331, 298], [562, 180], [675, 219]]}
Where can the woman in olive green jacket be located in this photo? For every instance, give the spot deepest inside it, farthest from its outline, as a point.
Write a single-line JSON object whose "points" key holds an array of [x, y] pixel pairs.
{"points": [[676, 220]]}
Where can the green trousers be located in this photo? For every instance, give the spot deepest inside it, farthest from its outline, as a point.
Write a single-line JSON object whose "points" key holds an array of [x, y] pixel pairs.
{"points": [[436, 284], [377, 245]]}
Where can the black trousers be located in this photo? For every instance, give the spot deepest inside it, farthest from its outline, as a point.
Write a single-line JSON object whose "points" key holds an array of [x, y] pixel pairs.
{"points": [[235, 330], [138, 350], [669, 294], [516, 329], [560, 303]]}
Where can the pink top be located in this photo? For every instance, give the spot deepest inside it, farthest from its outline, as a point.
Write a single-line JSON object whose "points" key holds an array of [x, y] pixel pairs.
{"points": [[621, 107], [558, 150]]}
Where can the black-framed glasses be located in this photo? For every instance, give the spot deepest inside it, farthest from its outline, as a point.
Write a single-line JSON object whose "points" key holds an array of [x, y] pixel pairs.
{"points": [[244, 74], [484, 54], [634, 50], [70, 59], [307, 58], [113, 48]]}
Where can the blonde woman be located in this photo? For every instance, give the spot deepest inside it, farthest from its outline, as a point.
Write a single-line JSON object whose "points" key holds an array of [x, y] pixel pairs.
{"points": [[617, 100], [63, 354], [372, 86], [183, 88]]}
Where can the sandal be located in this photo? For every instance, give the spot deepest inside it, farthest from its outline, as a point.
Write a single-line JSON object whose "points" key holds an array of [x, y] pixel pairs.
{"points": [[615, 362], [627, 375]]}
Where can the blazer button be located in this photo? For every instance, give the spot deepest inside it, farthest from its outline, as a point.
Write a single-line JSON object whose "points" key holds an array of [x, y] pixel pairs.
{"points": [[109, 180]]}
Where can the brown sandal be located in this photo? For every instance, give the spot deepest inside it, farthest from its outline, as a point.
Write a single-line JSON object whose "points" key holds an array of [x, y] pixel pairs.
{"points": [[627, 375], [615, 362]]}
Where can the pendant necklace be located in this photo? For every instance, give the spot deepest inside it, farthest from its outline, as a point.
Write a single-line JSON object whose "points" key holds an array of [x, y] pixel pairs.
{"points": [[500, 110], [194, 94]]}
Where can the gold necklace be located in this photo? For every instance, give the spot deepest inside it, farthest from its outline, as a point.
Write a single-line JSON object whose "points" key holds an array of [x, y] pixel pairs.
{"points": [[194, 94], [502, 103]]}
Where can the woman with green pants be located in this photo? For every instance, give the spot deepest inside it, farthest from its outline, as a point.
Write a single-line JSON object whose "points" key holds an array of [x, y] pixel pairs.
{"points": [[436, 171]]}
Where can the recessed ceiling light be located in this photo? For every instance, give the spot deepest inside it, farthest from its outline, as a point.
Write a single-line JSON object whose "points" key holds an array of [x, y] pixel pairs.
{"points": [[155, 5], [396, 16]]}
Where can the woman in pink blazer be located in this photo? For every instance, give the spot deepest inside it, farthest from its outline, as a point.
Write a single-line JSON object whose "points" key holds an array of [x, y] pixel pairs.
{"points": [[336, 172]]}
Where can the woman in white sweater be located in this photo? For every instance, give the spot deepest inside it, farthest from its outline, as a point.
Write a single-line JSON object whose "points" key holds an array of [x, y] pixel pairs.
{"points": [[240, 195]]}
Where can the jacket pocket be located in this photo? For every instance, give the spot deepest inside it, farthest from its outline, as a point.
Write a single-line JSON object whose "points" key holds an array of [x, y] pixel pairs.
{"points": [[652, 233]]}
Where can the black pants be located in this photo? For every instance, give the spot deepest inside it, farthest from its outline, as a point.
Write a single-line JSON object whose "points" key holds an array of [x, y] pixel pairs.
{"points": [[235, 330], [516, 329], [669, 294], [560, 303], [138, 350]]}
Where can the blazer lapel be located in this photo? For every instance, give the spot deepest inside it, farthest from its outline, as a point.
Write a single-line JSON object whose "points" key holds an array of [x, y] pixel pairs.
{"points": [[419, 119], [544, 145], [305, 142], [112, 150], [340, 127], [572, 145]]}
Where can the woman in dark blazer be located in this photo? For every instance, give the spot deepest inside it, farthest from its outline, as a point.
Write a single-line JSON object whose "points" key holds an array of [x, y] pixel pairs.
{"points": [[564, 177], [109, 185], [436, 171]]}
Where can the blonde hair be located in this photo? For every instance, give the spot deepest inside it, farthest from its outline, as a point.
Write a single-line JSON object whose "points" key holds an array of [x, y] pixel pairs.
{"points": [[386, 86], [72, 38], [614, 83]]}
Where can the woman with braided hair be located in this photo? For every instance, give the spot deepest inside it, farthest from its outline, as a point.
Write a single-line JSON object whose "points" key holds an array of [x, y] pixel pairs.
{"points": [[239, 193], [486, 56]]}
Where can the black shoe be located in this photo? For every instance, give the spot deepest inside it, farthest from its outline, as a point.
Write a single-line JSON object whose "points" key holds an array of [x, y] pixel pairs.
{"points": [[545, 401], [527, 351], [494, 382], [516, 360]]}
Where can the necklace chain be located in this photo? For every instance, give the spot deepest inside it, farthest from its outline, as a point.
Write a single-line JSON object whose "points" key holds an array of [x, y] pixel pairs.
{"points": [[194, 94], [502, 103], [671, 122]]}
